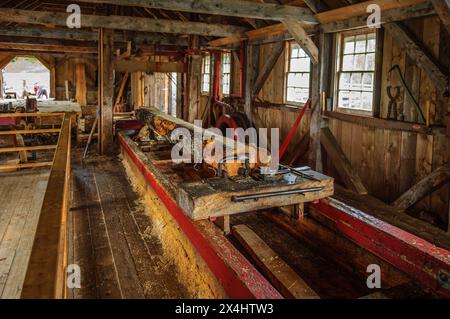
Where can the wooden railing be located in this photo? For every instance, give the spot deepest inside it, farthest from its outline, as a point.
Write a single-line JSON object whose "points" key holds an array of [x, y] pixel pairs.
{"points": [[45, 276], [22, 149]]}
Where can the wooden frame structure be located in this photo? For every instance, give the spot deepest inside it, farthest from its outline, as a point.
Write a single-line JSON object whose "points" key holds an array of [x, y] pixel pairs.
{"points": [[46, 273]]}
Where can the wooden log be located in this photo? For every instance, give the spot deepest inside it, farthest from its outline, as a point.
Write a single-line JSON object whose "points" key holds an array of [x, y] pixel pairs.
{"points": [[340, 161], [423, 188], [280, 274], [27, 165], [46, 276], [232, 8], [121, 23]]}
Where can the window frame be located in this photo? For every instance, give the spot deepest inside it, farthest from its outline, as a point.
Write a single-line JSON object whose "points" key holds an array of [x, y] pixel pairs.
{"points": [[288, 56], [338, 67], [223, 73], [204, 73]]}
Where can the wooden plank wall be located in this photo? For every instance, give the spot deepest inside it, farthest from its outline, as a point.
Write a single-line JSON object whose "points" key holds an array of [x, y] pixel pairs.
{"points": [[388, 161]]}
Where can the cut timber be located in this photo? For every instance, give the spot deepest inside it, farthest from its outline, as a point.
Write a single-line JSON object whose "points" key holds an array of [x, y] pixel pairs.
{"points": [[213, 197], [120, 23], [300, 35], [283, 277], [27, 148], [340, 161], [46, 47], [418, 54], [37, 131], [232, 8], [423, 188], [264, 73], [442, 8], [148, 67], [81, 88], [28, 165]]}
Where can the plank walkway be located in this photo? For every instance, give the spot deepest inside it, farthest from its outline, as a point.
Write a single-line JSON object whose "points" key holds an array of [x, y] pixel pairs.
{"points": [[21, 196], [110, 237]]}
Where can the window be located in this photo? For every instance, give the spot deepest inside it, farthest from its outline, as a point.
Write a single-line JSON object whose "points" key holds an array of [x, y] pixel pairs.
{"points": [[298, 74], [206, 74], [356, 71], [226, 73]]}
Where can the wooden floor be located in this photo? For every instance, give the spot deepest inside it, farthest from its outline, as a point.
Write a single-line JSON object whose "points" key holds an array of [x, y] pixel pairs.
{"points": [[21, 196], [111, 238]]}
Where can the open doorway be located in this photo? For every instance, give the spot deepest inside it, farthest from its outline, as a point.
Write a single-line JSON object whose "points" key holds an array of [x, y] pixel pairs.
{"points": [[25, 77]]}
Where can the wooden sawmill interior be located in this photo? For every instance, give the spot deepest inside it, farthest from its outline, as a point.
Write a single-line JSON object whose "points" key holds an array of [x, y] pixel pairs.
{"points": [[93, 206]]}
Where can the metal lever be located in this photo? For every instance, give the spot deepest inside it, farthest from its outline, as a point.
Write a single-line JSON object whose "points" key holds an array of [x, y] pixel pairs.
{"points": [[256, 197]]}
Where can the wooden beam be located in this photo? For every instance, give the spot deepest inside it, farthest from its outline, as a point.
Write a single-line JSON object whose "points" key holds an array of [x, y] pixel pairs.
{"points": [[147, 66], [356, 21], [427, 185], [90, 36], [81, 87], [265, 71], [251, 67], [121, 90], [360, 9], [121, 23], [46, 276], [46, 48], [301, 36], [442, 8], [280, 274], [418, 53], [106, 87], [232, 8], [340, 161], [35, 131], [27, 148]]}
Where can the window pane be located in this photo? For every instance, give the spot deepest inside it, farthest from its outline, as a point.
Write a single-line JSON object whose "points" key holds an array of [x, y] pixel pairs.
{"points": [[360, 62], [367, 82], [371, 42], [355, 100], [344, 81], [360, 46], [367, 98], [348, 63], [356, 80], [370, 62], [344, 99], [349, 45]]}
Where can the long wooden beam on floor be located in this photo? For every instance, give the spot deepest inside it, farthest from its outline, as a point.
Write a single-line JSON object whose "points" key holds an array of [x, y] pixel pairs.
{"points": [[121, 23], [427, 185], [46, 277], [233, 8], [340, 161], [280, 274]]}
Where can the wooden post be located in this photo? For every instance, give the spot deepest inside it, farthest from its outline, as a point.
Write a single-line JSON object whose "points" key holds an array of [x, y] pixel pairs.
{"points": [[106, 89], [314, 158], [52, 64], [81, 89], [251, 67], [194, 74]]}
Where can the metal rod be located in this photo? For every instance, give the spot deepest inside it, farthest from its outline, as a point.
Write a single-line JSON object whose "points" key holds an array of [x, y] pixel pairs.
{"points": [[242, 198]]}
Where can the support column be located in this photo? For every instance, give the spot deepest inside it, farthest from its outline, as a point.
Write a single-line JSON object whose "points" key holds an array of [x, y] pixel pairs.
{"points": [[106, 90], [81, 88], [194, 74], [251, 73]]}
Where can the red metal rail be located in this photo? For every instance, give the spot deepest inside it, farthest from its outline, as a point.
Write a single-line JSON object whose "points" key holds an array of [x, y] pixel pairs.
{"points": [[423, 261], [236, 274]]}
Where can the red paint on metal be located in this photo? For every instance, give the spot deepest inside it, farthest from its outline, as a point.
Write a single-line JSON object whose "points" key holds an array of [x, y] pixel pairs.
{"points": [[241, 282], [413, 255]]}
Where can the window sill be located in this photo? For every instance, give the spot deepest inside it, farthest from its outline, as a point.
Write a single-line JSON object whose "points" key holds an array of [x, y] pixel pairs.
{"points": [[384, 124]]}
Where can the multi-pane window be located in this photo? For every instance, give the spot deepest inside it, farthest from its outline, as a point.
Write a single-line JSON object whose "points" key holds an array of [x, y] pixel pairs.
{"points": [[226, 73], [297, 75], [206, 74], [356, 71]]}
